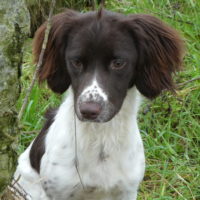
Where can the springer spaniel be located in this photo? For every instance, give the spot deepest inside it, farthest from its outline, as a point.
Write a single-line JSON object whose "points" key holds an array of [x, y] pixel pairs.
{"points": [[90, 147]]}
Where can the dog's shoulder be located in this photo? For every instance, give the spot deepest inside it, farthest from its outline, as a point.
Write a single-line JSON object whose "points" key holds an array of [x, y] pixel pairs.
{"points": [[38, 146]]}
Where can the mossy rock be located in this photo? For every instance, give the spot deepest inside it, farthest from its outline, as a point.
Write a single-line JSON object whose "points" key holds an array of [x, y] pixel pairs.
{"points": [[14, 27]]}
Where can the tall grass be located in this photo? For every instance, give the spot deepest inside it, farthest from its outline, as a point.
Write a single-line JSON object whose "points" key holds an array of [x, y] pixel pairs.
{"points": [[170, 124]]}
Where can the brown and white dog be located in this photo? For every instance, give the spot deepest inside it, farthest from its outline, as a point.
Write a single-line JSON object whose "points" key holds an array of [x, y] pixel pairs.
{"points": [[107, 61]]}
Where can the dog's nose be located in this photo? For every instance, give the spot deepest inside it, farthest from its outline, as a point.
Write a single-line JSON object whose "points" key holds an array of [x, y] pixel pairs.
{"points": [[90, 110]]}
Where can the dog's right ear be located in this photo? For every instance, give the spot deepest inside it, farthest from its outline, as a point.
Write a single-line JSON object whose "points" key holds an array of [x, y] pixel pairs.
{"points": [[53, 68]]}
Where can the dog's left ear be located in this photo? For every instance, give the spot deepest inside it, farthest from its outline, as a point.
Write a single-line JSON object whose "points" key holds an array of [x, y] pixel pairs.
{"points": [[160, 51]]}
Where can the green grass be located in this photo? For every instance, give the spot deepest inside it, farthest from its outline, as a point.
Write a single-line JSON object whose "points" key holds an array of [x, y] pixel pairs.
{"points": [[170, 124]]}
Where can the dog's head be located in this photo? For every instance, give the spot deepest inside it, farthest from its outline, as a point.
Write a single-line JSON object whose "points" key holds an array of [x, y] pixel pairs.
{"points": [[103, 54]]}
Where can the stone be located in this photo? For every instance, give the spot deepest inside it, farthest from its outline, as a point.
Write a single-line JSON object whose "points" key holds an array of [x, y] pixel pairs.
{"points": [[14, 28]]}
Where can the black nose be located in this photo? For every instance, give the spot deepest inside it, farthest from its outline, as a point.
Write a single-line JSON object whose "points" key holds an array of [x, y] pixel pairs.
{"points": [[90, 110]]}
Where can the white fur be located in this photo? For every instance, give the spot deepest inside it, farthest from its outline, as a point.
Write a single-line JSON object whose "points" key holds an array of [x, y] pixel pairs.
{"points": [[93, 91], [116, 176]]}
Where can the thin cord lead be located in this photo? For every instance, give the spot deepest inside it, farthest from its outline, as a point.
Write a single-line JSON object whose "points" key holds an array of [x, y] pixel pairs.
{"points": [[76, 153]]}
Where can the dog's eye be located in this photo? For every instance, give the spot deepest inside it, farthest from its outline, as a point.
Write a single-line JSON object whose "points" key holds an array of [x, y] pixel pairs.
{"points": [[76, 63], [118, 64]]}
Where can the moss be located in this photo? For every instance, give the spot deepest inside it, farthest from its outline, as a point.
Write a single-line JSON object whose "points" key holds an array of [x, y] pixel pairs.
{"points": [[13, 30]]}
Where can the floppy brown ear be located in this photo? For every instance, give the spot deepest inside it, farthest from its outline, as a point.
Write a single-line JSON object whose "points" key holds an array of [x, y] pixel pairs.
{"points": [[54, 68], [160, 51]]}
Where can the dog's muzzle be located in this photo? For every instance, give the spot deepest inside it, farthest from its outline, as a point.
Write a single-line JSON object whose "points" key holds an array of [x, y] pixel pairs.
{"points": [[90, 110]]}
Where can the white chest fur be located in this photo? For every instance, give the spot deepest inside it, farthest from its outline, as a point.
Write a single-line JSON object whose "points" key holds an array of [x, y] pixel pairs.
{"points": [[110, 156]]}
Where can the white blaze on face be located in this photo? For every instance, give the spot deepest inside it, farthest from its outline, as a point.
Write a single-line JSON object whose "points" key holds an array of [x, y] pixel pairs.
{"points": [[93, 92]]}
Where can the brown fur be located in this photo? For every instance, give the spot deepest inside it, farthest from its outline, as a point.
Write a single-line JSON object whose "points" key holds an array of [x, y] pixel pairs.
{"points": [[53, 68], [159, 48], [160, 53], [38, 147]]}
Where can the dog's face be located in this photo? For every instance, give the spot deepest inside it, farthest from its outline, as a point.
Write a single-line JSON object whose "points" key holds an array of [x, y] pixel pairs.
{"points": [[103, 54], [100, 59]]}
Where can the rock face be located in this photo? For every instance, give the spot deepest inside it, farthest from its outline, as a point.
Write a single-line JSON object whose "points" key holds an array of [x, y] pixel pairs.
{"points": [[14, 26]]}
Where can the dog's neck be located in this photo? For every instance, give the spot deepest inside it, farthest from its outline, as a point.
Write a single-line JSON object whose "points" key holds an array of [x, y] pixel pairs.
{"points": [[113, 133]]}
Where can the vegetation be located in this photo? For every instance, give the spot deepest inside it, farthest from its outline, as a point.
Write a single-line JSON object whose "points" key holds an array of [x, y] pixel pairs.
{"points": [[39, 9], [170, 124]]}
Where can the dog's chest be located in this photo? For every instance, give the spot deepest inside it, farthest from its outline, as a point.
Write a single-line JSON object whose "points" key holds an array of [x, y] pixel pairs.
{"points": [[95, 193], [103, 173], [102, 168]]}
